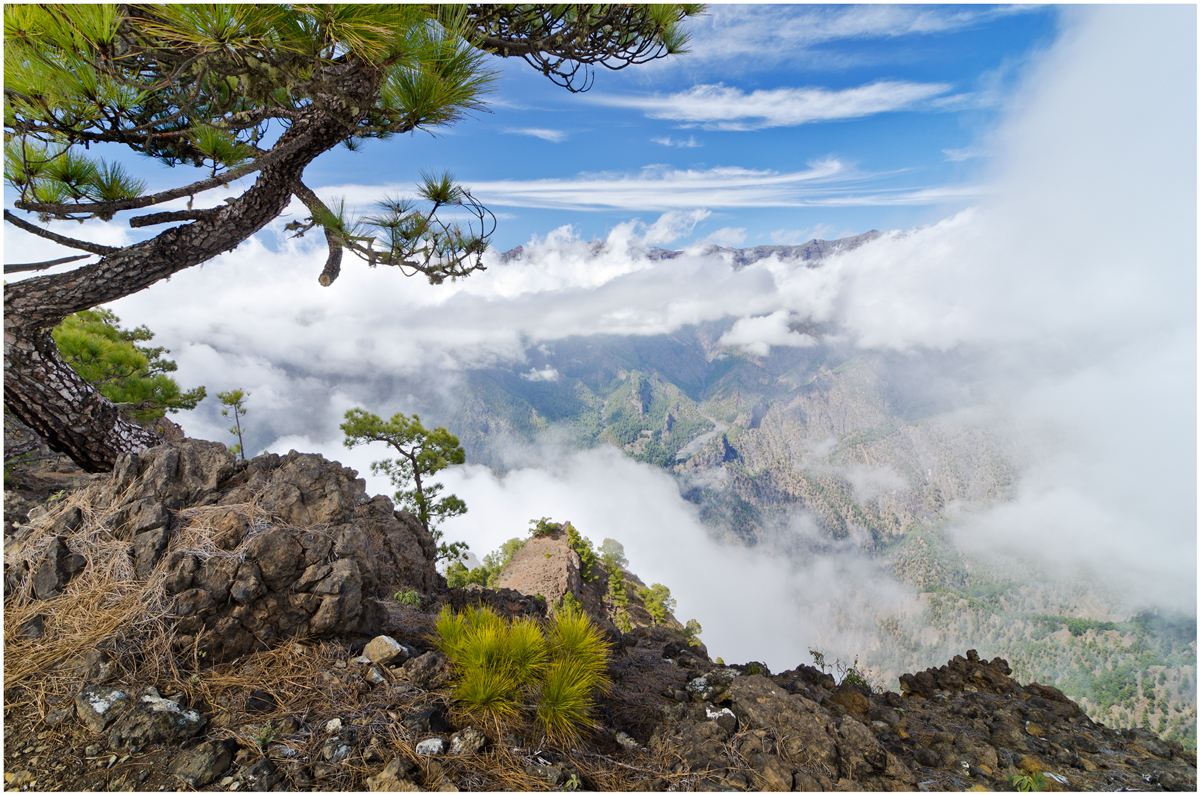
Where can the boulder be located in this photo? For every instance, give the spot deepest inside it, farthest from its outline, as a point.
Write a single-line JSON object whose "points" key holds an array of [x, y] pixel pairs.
{"points": [[467, 742], [809, 731], [154, 720], [200, 765], [429, 671], [395, 777], [385, 650], [99, 705]]}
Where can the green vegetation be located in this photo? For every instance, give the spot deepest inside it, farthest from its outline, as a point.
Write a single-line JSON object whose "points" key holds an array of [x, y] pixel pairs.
{"points": [[541, 527], [1034, 783], [568, 603], [408, 598], [587, 556], [658, 601], [849, 673], [265, 734], [232, 400], [692, 631], [488, 572], [422, 453], [612, 555], [507, 673], [133, 376]]}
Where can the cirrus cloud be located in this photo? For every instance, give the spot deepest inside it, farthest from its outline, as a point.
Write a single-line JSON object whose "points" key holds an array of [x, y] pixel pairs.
{"points": [[720, 107]]}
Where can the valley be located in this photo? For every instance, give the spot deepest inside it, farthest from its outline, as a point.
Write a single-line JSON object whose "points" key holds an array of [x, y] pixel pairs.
{"points": [[827, 447]]}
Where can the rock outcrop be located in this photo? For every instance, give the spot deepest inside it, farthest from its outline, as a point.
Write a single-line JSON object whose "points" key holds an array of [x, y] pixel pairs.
{"points": [[241, 554], [547, 567]]}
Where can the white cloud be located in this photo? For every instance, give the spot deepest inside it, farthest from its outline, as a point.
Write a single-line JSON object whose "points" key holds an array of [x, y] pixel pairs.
{"points": [[759, 37], [690, 143], [826, 183], [548, 373], [727, 236], [966, 153], [720, 107], [553, 136], [869, 482], [673, 225], [757, 334]]}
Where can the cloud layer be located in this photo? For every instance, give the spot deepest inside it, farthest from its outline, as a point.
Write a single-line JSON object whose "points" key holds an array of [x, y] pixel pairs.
{"points": [[720, 107]]}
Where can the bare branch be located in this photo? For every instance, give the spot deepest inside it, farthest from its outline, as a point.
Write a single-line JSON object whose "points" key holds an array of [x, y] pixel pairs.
{"points": [[69, 242], [41, 266], [167, 218], [333, 264]]}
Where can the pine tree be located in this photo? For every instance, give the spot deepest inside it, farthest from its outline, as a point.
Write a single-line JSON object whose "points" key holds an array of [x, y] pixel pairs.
{"points": [[422, 453], [240, 91], [132, 376]]}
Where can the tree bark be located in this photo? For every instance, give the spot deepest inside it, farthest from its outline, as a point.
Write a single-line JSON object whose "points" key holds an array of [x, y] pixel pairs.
{"points": [[44, 392]]}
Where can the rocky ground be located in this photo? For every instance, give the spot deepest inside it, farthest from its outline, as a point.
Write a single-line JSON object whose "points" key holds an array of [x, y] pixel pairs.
{"points": [[192, 622]]}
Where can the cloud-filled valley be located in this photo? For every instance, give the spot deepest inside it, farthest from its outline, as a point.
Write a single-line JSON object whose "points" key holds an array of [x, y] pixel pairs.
{"points": [[1063, 303]]}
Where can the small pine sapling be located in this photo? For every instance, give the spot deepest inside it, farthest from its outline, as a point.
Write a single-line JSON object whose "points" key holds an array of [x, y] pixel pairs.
{"points": [[233, 402]]}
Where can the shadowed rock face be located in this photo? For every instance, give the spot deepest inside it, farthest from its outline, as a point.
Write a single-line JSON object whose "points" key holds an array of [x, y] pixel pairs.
{"points": [[300, 549]]}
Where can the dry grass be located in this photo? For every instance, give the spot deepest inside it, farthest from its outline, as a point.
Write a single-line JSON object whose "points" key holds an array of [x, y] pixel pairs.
{"points": [[106, 607]]}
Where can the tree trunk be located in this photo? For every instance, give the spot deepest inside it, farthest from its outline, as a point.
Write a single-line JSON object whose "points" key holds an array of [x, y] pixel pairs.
{"points": [[44, 392]]}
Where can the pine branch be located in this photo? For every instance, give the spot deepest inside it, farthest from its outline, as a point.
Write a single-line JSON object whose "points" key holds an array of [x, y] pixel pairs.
{"points": [[108, 208], [41, 266], [69, 242], [167, 218], [333, 264]]}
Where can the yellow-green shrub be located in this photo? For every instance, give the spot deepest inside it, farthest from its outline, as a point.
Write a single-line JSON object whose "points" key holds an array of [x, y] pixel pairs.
{"points": [[509, 672]]}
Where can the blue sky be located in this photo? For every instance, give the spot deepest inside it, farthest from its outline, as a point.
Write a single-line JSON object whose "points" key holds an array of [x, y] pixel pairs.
{"points": [[785, 122], [782, 123]]}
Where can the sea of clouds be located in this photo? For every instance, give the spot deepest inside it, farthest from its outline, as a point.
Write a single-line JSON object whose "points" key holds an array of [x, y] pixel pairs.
{"points": [[1072, 288]]}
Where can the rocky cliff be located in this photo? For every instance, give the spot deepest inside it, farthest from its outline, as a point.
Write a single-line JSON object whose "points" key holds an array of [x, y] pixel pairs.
{"points": [[193, 621]]}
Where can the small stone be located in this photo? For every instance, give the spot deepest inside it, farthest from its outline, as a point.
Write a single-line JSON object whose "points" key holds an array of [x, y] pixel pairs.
{"points": [[431, 747], [385, 650], [335, 752], [340, 664], [334, 726], [467, 742], [99, 705], [626, 742]]}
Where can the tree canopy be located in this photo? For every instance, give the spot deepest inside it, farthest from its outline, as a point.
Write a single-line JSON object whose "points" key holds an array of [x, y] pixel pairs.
{"points": [[133, 376], [247, 91], [422, 453]]}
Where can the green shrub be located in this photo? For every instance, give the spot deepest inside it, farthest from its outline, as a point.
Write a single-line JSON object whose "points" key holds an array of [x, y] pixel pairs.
{"points": [[568, 602], [692, 632], [541, 527], [658, 601], [505, 672], [408, 598], [583, 548], [1034, 783]]}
